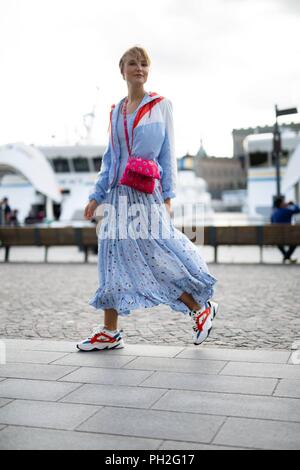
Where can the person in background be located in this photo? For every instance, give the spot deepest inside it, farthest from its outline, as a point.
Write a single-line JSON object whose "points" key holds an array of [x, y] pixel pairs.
{"points": [[282, 214], [40, 216], [30, 219], [14, 218], [6, 211], [1, 213]]}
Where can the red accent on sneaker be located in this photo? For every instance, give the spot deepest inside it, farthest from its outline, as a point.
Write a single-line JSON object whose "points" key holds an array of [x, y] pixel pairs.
{"points": [[206, 314], [94, 339]]}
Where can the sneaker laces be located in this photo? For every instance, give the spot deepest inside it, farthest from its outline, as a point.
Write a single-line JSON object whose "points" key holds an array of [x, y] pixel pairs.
{"points": [[101, 329], [200, 316], [97, 330]]}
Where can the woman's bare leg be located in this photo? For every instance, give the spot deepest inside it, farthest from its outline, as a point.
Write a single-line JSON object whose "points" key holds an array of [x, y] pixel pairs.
{"points": [[111, 315], [189, 300], [111, 319]]}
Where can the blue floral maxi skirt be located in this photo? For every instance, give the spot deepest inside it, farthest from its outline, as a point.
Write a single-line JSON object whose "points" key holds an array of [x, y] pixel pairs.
{"points": [[143, 260]]}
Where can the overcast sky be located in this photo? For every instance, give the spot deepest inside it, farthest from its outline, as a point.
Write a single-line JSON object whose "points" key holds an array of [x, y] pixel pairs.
{"points": [[223, 63]]}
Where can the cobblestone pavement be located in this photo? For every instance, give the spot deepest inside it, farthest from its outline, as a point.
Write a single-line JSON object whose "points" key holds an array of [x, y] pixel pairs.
{"points": [[259, 306]]}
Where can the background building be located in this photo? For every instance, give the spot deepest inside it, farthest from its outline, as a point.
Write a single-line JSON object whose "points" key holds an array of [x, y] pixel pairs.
{"points": [[239, 135], [220, 174]]}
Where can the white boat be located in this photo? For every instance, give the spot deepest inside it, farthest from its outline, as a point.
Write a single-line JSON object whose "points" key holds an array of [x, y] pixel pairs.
{"points": [[55, 180]]}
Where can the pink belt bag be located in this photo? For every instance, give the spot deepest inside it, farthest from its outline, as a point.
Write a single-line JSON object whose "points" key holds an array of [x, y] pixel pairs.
{"points": [[140, 173]]}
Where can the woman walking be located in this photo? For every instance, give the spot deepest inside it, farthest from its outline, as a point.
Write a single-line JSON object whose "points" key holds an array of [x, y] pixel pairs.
{"points": [[139, 171]]}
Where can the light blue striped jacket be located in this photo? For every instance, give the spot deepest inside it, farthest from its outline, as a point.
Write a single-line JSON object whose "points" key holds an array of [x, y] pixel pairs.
{"points": [[153, 134]]}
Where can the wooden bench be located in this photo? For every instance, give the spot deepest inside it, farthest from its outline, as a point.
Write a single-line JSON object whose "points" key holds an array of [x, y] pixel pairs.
{"points": [[260, 235], [85, 238]]}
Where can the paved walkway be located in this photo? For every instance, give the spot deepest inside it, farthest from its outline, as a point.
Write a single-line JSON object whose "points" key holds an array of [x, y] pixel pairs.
{"points": [[147, 397], [259, 307]]}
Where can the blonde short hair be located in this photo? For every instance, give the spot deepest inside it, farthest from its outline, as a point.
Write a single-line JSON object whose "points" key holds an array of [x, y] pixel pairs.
{"points": [[136, 51]]}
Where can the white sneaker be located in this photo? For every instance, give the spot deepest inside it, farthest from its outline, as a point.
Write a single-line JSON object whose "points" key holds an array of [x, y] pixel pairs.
{"points": [[102, 339], [203, 321]]}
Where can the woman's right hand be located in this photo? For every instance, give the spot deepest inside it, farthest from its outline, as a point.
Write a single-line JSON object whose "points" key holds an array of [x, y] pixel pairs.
{"points": [[90, 209]]}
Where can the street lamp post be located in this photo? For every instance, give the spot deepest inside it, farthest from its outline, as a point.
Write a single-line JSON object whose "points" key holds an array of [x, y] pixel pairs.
{"points": [[277, 152], [277, 144]]}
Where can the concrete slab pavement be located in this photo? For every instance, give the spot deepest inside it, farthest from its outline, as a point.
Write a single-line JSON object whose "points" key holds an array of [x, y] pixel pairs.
{"points": [[147, 397]]}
